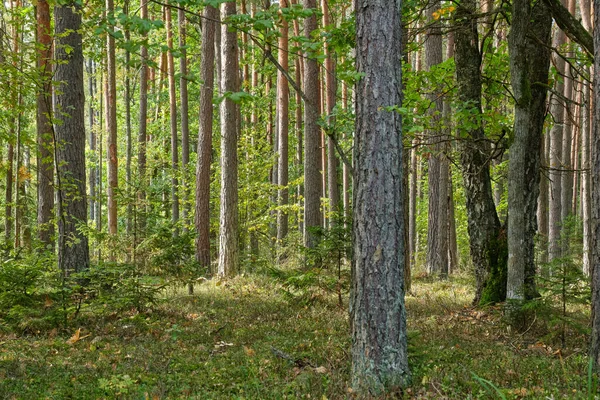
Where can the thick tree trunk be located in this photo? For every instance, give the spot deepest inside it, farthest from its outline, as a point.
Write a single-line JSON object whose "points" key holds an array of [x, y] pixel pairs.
{"points": [[45, 140], [230, 114], [312, 137], [73, 251], [487, 241], [595, 203], [529, 63], [378, 315]]}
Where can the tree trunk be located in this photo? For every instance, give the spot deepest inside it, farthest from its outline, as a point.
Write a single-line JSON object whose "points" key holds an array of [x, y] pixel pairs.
{"points": [[128, 138], [73, 251], [378, 315], [585, 178], [207, 74], [555, 151], [312, 137], [437, 224], [142, 133], [111, 126], [595, 202], [283, 98], [45, 140], [330, 100], [185, 126], [487, 241], [173, 124], [230, 113], [529, 63]]}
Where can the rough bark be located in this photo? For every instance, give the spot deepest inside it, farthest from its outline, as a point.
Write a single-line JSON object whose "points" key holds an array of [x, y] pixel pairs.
{"points": [[529, 63], [45, 142], [142, 130], [203, 161], [378, 315], [437, 223], [73, 251], [330, 100], [312, 137], [111, 125], [571, 26], [230, 113], [595, 203], [283, 99], [487, 240]]}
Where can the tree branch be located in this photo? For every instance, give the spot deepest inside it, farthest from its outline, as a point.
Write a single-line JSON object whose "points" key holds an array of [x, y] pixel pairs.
{"points": [[571, 26]]}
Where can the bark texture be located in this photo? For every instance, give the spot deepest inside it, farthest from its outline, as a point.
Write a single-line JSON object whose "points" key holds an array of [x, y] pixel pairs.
{"points": [[44, 126], [595, 172], [73, 251], [111, 125], [437, 223], [487, 240], [529, 64], [203, 161], [230, 114], [378, 315], [312, 137]]}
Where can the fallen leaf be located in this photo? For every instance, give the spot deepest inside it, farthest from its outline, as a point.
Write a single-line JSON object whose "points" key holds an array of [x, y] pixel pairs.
{"points": [[321, 370], [75, 338], [249, 352]]}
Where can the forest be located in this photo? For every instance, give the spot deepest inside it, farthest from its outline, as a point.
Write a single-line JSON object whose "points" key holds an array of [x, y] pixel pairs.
{"points": [[242, 199]]}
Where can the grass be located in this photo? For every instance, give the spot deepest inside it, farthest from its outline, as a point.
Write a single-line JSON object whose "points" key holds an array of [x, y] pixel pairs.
{"points": [[243, 339]]}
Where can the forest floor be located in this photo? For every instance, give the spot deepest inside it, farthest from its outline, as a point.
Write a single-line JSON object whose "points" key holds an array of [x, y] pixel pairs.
{"points": [[244, 339]]}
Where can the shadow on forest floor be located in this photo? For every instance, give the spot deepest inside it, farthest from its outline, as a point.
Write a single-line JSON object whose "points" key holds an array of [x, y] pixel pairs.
{"points": [[243, 339]]}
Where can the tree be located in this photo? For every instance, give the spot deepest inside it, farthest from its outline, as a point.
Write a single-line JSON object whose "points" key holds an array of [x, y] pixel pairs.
{"points": [[487, 241], [529, 65], [111, 124], [173, 123], [283, 99], [312, 136], [230, 114], [378, 315], [142, 128], [437, 225], [595, 203], [73, 251], [207, 73], [44, 126]]}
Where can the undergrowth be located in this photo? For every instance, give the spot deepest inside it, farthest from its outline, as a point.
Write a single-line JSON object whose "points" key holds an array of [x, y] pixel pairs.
{"points": [[243, 339]]}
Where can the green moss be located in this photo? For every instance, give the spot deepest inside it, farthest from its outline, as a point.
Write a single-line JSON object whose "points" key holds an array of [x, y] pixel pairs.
{"points": [[495, 286]]}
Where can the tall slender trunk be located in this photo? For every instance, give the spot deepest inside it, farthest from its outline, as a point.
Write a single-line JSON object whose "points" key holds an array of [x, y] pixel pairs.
{"points": [[330, 101], [283, 98], [585, 177], [111, 126], [128, 138], [230, 114], [555, 151], [142, 133], [45, 142], [312, 137], [437, 224], [203, 161], [185, 126], [173, 124]]}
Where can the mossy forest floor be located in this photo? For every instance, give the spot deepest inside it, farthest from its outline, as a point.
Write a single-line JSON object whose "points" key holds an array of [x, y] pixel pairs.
{"points": [[244, 339]]}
